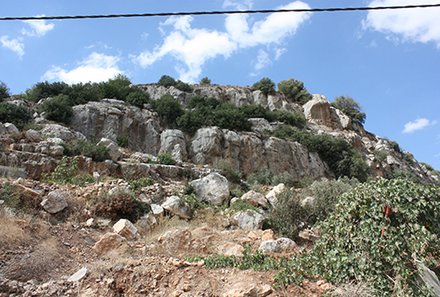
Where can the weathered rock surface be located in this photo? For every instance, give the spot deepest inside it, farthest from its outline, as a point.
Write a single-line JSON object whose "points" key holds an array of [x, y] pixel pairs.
{"points": [[176, 206], [55, 201], [109, 242], [248, 220], [272, 195], [231, 249], [280, 245], [112, 119], [213, 189], [79, 275], [173, 142], [113, 149], [319, 111], [61, 132], [255, 198], [125, 228]]}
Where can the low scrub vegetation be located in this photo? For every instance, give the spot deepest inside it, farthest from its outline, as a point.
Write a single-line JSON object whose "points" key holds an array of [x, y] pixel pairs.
{"points": [[67, 173], [98, 153], [17, 115]]}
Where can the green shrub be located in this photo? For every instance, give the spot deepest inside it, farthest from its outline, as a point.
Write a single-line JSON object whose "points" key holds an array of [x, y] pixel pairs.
{"points": [[193, 202], [120, 204], [265, 85], [294, 90], [184, 87], [262, 177], [4, 91], [228, 116], [67, 173], [167, 81], [58, 109], [98, 153], [122, 141], [288, 217], [166, 159], [45, 89], [137, 184], [169, 109], [138, 98], [375, 235], [241, 205], [17, 115], [191, 121], [201, 102], [228, 171], [351, 108], [290, 118], [10, 195], [116, 88], [205, 81], [285, 178], [83, 93], [380, 155]]}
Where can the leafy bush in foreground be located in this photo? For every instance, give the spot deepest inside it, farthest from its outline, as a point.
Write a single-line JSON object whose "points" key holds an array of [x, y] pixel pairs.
{"points": [[375, 235]]}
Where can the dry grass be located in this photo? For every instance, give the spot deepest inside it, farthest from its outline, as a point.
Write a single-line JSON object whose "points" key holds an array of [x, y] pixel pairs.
{"points": [[11, 231]]}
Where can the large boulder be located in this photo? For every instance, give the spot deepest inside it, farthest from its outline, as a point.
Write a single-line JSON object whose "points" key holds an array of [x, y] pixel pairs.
{"points": [[113, 149], [280, 245], [112, 119], [255, 198], [55, 201], [248, 220], [173, 142], [61, 132], [206, 146], [213, 189], [109, 242], [177, 207], [319, 111]]}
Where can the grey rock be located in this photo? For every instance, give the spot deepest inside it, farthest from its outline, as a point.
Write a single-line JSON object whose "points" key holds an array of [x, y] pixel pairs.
{"points": [[213, 189], [206, 145], [248, 219], [255, 198], [112, 119], [176, 206], [11, 129], [319, 111], [113, 149], [55, 201], [125, 228], [280, 245], [173, 142], [58, 131], [156, 209], [33, 135], [272, 195]]}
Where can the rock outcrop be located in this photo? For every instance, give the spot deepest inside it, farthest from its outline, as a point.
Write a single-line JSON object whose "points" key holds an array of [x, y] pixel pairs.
{"points": [[113, 118]]}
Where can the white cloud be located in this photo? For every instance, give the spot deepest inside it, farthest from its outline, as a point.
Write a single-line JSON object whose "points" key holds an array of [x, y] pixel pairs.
{"points": [[13, 44], [38, 28], [415, 25], [96, 67], [418, 124], [193, 47], [263, 60], [279, 52]]}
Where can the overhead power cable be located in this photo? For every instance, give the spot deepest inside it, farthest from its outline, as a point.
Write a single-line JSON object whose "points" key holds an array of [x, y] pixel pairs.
{"points": [[166, 14]]}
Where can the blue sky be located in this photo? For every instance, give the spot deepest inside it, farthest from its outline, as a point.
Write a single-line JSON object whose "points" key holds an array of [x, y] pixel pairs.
{"points": [[389, 61]]}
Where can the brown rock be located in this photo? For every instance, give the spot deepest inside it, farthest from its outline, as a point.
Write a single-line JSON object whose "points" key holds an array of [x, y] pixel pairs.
{"points": [[109, 242]]}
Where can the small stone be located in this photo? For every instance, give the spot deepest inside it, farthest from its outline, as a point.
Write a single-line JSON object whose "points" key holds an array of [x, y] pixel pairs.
{"points": [[90, 222], [55, 201], [108, 242], [156, 209], [231, 249], [79, 275]]}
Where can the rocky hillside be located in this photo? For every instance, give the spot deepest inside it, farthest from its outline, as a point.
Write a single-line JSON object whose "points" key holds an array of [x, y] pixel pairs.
{"points": [[201, 190]]}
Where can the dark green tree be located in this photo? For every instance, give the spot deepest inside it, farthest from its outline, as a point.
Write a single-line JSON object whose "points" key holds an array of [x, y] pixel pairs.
{"points": [[168, 108], [116, 88], [167, 81], [351, 108], [138, 98], [45, 89], [265, 85], [4, 91], [17, 115], [205, 81], [294, 90]]}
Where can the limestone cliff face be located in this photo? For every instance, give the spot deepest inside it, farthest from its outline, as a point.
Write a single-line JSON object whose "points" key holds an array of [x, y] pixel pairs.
{"points": [[247, 152]]}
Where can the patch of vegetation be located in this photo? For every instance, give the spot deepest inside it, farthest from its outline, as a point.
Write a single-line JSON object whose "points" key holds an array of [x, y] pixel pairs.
{"points": [[122, 141], [255, 261], [119, 204], [409, 158], [4, 91], [265, 85], [116, 88], [380, 155], [351, 108], [58, 109], [10, 195], [241, 205], [98, 153], [193, 202], [262, 177], [17, 115], [166, 159], [82, 93], [294, 90], [227, 170], [137, 184], [138, 98], [67, 173], [375, 235], [184, 87], [341, 158], [45, 89], [168, 109], [205, 81], [167, 81]]}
